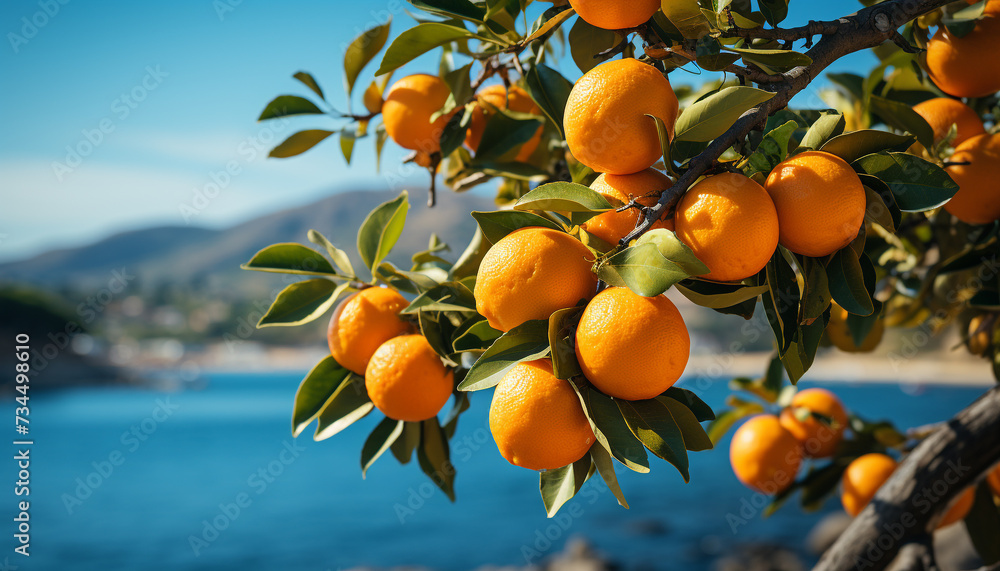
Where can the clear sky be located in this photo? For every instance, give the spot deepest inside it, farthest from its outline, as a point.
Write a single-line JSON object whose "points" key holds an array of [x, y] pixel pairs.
{"points": [[158, 98]]}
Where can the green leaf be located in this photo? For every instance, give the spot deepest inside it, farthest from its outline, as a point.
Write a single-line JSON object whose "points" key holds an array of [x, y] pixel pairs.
{"points": [[547, 22], [564, 197], [916, 184], [695, 437], [339, 257], [848, 284], [802, 352], [347, 139], [433, 457], [983, 525], [829, 125], [452, 8], [642, 269], [550, 90], [361, 51], [512, 170], [652, 424], [709, 57], [348, 404], [774, 10], [476, 337], [885, 203], [718, 296], [560, 485], [687, 17], [781, 302], [288, 105], [856, 144], [315, 391], [407, 442], [671, 248], [451, 296], [526, 342], [302, 302], [384, 435], [816, 287], [901, 116], [606, 468], [496, 225], [664, 136], [613, 432], [290, 258], [776, 59], [502, 135], [564, 362], [586, 41], [962, 22], [702, 412], [299, 143], [772, 149], [381, 229], [309, 81], [417, 41], [713, 115]]}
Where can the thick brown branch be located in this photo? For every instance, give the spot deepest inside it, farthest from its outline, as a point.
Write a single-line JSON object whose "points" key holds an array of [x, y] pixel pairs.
{"points": [[865, 29], [909, 504], [806, 32]]}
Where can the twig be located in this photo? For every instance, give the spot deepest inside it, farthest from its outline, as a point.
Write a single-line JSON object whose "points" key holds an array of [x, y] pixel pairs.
{"points": [[786, 35]]}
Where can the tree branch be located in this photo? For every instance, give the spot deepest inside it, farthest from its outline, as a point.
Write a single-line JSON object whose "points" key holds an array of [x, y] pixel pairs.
{"points": [[865, 29], [907, 507]]}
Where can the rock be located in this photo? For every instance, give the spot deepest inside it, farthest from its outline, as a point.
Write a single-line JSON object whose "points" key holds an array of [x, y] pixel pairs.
{"points": [[760, 557], [578, 556]]}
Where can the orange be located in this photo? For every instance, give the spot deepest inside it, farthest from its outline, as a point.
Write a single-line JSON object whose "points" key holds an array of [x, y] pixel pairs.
{"points": [[943, 112], [408, 108], [632, 347], [406, 379], [537, 420], [531, 273], [361, 323], [839, 333], [645, 185], [993, 479], [980, 333], [605, 121], [966, 66], [862, 479], [959, 508], [819, 439], [730, 224], [615, 15], [765, 456], [820, 202], [497, 97], [977, 200]]}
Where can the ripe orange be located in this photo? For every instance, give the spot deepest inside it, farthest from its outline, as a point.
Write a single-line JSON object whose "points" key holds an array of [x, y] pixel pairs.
{"points": [[537, 420], [862, 479], [408, 108], [981, 333], [497, 97], [993, 479], [645, 185], [959, 508], [632, 347], [730, 223], [966, 66], [819, 440], [943, 112], [406, 379], [765, 456], [820, 202], [605, 121], [839, 334], [615, 15], [531, 273], [976, 201], [361, 323]]}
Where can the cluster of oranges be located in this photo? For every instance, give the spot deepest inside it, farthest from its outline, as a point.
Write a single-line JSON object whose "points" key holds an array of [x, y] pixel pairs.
{"points": [[405, 378]]}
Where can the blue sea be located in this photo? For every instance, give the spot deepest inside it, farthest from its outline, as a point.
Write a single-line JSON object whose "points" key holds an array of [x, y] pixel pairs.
{"points": [[134, 479]]}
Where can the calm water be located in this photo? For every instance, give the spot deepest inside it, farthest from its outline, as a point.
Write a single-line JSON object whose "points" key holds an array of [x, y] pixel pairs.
{"points": [[313, 511]]}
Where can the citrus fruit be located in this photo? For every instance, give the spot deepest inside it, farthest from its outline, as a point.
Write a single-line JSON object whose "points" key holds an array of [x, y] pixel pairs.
{"points": [[819, 439], [765, 456], [993, 479], [966, 66], [862, 479], [605, 120], [840, 336], [943, 112], [615, 15], [407, 111], [980, 333], [537, 420], [730, 224], [645, 186], [406, 379], [976, 201], [361, 323], [820, 202], [531, 273], [959, 508], [497, 97], [631, 347]]}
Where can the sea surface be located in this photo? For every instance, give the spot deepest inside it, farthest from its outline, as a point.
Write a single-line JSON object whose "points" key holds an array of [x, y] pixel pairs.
{"points": [[211, 478]]}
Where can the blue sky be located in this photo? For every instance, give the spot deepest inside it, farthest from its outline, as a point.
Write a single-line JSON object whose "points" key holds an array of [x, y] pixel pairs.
{"points": [[159, 98]]}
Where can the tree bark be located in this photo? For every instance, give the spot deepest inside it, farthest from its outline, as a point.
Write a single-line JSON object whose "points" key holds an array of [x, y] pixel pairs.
{"points": [[906, 508]]}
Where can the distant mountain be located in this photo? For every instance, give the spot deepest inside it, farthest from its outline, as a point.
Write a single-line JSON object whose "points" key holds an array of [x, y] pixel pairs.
{"points": [[186, 254]]}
